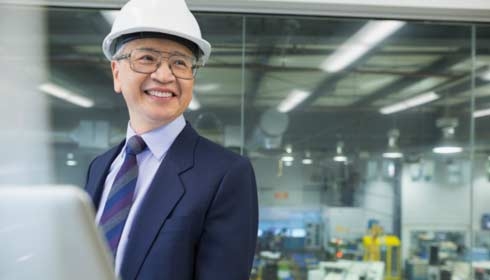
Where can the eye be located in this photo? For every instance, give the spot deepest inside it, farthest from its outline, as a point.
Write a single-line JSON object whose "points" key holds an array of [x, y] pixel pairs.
{"points": [[146, 58], [180, 61]]}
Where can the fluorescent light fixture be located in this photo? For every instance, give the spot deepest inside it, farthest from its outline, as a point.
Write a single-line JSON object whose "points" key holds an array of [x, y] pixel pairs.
{"points": [[70, 160], [393, 154], [195, 104], [287, 158], [447, 150], [481, 113], [292, 100], [307, 161], [340, 158], [409, 103], [447, 145], [66, 95], [307, 158], [360, 43]]}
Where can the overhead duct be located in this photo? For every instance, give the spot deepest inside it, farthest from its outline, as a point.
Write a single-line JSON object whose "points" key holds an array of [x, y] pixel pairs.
{"points": [[268, 133]]}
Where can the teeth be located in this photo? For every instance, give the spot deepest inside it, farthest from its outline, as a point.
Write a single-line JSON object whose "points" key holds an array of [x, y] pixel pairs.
{"points": [[159, 93]]}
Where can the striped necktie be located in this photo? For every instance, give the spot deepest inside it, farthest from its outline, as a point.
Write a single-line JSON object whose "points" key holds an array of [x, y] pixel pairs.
{"points": [[120, 198]]}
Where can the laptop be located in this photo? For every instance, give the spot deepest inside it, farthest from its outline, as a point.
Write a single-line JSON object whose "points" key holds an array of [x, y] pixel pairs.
{"points": [[49, 233]]}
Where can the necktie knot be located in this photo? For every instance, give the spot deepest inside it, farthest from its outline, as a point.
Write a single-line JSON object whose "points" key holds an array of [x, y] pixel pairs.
{"points": [[135, 145]]}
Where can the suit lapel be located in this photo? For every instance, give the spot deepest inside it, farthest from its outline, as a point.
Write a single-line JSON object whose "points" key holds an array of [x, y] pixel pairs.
{"points": [[163, 195], [99, 170]]}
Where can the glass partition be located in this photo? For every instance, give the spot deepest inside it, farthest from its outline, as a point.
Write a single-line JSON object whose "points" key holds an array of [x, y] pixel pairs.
{"points": [[368, 137], [479, 250]]}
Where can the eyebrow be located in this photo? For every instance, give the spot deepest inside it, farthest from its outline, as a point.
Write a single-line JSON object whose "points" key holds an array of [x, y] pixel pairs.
{"points": [[158, 51]]}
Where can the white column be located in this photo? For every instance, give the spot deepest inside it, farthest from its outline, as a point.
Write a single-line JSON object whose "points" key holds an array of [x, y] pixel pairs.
{"points": [[25, 156]]}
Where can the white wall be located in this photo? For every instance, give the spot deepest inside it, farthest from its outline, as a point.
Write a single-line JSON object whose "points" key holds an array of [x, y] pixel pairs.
{"points": [[378, 203], [345, 222], [481, 197], [291, 187], [435, 204]]}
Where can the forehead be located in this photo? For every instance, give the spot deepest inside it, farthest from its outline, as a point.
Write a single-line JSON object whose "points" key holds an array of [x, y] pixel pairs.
{"points": [[159, 44]]}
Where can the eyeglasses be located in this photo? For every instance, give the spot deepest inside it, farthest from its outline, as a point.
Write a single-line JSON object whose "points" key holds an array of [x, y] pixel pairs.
{"points": [[147, 61]]}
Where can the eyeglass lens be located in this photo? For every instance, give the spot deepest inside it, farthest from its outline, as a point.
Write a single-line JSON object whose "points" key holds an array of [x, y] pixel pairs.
{"points": [[148, 61]]}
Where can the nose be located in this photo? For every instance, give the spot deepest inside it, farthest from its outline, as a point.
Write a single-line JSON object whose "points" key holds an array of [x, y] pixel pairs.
{"points": [[163, 73]]}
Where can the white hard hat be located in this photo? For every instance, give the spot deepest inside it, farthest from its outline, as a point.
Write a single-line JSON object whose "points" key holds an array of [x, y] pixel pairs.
{"points": [[161, 16]]}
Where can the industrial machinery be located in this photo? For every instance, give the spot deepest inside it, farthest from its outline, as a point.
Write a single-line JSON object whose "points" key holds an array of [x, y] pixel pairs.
{"points": [[385, 248]]}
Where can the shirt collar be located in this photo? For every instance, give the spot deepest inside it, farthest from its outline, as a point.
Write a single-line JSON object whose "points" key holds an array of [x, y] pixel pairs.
{"points": [[160, 139]]}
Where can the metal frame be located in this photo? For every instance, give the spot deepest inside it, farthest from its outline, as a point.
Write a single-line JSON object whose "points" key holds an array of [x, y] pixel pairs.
{"points": [[454, 10]]}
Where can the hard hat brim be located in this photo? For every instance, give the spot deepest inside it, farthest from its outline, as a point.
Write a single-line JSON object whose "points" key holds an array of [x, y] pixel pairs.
{"points": [[108, 45]]}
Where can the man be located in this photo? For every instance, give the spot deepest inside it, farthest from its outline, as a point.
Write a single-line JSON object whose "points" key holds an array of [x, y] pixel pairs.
{"points": [[171, 204]]}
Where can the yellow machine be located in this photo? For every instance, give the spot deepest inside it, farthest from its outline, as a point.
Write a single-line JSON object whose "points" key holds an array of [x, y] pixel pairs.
{"points": [[386, 248]]}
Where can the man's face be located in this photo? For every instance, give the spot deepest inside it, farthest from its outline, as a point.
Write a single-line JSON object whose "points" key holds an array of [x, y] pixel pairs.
{"points": [[153, 99]]}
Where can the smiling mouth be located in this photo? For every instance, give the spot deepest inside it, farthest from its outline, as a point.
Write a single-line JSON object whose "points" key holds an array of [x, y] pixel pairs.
{"points": [[159, 93]]}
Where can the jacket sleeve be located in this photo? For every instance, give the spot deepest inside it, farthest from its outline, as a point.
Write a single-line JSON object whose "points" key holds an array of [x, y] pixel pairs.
{"points": [[227, 244]]}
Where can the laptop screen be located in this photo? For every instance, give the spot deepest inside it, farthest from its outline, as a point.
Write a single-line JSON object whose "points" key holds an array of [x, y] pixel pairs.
{"points": [[48, 232]]}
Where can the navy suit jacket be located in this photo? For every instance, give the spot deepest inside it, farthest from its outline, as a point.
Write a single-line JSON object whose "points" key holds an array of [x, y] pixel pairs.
{"points": [[198, 220]]}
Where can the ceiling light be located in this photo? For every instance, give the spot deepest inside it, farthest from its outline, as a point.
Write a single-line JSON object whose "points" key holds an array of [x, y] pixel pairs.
{"points": [[307, 159], [447, 150], [447, 145], [409, 103], [360, 43], [292, 100], [393, 151], [67, 95], [393, 154], [340, 158], [339, 155], [195, 104], [70, 160], [481, 113], [287, 158]]}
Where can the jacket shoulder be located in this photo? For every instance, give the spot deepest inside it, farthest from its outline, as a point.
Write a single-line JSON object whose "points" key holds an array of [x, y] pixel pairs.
{"points": [[207, 149]]}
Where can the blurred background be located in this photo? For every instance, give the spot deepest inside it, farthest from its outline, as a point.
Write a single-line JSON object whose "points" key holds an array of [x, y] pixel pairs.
{"points": [[369, 133]]}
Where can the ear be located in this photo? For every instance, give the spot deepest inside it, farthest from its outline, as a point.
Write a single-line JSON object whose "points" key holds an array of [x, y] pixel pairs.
{"points": [[115, 76]]}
